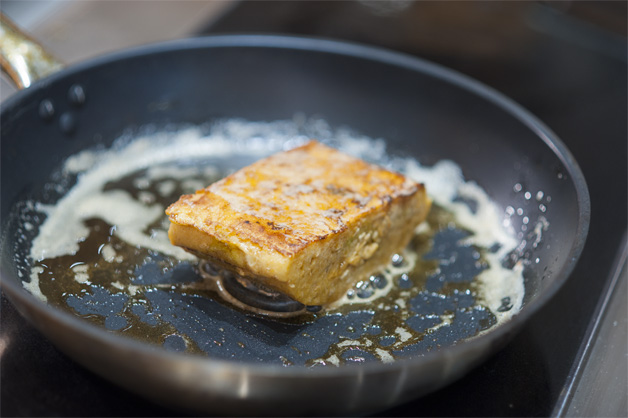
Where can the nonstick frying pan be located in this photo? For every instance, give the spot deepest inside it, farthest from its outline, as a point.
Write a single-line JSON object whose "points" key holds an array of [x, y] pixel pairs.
{"points": [[421, 109]]}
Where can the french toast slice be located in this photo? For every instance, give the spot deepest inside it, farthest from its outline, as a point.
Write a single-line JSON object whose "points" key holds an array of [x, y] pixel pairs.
{"points": [[309, 222]]}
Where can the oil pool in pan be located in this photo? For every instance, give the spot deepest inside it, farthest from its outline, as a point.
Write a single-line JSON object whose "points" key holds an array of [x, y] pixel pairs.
{"points": [[102, 252]]}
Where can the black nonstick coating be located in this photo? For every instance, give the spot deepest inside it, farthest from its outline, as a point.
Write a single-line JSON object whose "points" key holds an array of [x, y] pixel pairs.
{"points": [[422, 110]]}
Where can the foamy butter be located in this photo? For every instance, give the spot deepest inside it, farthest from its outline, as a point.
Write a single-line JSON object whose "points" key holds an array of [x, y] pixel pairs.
{"points": [[444, 183], [109, 254], [404, 334], [156, 157], [64, 227], [384, 355], [33, 285], [81, 273]]}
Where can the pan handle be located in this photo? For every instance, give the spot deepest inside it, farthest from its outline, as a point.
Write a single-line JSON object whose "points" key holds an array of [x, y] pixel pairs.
{"points": [[21, 57]]}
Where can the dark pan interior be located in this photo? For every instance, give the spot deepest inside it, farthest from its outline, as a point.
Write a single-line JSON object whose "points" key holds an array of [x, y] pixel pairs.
{"points": [[422, 116], [420, 109]]}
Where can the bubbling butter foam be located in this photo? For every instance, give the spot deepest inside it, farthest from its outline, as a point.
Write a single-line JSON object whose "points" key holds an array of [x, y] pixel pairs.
{"points": [[445, 183], [65, 225]]}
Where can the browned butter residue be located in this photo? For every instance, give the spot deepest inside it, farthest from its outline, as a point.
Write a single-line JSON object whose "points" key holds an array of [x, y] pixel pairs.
{"points": [[113, 265]]}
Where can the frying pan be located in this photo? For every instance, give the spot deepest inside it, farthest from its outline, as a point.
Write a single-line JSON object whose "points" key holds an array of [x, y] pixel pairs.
{"points": [[421, 109]]}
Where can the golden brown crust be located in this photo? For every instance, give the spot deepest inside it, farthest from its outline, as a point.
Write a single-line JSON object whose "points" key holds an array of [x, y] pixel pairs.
{"points": [[291, 199], [311, 212]]}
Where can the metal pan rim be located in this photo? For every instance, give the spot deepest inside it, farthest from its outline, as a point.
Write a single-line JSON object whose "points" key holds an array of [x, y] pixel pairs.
{"points": [[368, 53]]}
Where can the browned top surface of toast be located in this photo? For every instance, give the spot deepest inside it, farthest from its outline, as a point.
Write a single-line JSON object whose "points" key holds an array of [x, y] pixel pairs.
{"points": [[291, 199]]}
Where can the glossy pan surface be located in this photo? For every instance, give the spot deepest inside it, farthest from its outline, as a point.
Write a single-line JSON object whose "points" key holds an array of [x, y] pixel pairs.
{"points": [[422, 110]]}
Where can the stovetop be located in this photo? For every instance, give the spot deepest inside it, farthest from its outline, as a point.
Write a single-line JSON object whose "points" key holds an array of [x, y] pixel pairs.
{"points": [[566, 63]]}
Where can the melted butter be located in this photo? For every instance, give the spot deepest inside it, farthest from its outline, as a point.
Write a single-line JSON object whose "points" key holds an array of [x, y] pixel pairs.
{"points": [[112, 223]]}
